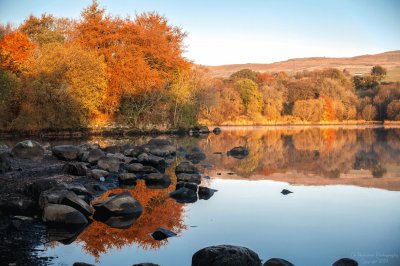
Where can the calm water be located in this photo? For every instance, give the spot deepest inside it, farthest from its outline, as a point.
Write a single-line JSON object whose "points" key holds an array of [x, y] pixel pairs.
{"points": [[346, 202]]}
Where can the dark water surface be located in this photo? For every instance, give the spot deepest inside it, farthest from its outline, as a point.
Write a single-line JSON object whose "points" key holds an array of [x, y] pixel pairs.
{"points": [[346, 202]]}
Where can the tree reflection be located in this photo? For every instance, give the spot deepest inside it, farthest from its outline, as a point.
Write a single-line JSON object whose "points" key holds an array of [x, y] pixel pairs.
{"points": [[159, 211]]}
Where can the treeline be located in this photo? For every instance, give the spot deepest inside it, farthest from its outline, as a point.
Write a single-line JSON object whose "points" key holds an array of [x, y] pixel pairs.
{"points": [[328, 95], [58, 73]]}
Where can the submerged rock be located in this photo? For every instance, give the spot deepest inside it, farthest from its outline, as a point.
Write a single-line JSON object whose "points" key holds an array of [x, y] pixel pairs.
{"points": [[238, 152], [28, 149], [122, 204], [67, 152], [223, 255], [119, 222], [161, 234], [345, 262], [277, 262], [217, 131], [63, 214], [184, 195], [285, 192], [192, 186]]}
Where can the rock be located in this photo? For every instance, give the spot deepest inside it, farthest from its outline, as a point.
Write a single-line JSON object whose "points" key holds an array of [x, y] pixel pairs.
{"points": [[63, 214], [161, 234], [119, 222], [160, 147], [184, 195], [199, 130], [345, 262], [206, 193], [28, 149], [79, 190], [19, 205], [187, 168], [134, 151], [122, 204], [5, 163], [96, 188], [217, 131], [82, 264], [127, 179], [192, 178], [89, 146], [238, 152], [109, 163], [277, 262], [157, 181], [285, 192], [97, 174], [149, 159], [75, 168], [3, 148], [223, 255], [95, 155], [62, 196], [113, 149], [145, 264], [67, 152], [36, 188], [140, 169], [195, 157], [192, 186]]}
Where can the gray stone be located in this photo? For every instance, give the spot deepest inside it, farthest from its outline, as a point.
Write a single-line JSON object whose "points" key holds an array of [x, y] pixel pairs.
{"points": [[63, 214], [67, 152], [192, 178], [157, 180], [97, 174], [162, 233], [28, 149], [95, 155], [110, 164], [127, 178], [184, 195], [75, 168], [192, 186], [206, 193], [277, 262], [187, 168], [223, 255], [122, 204], [345, 262]]}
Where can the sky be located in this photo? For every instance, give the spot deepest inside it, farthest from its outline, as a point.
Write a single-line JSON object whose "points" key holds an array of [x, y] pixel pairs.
{"points": [[251, 31]]}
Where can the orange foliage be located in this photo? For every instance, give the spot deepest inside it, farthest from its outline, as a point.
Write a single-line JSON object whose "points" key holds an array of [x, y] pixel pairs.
{"points": [[329, 109], [15, 49], [159, 211]]}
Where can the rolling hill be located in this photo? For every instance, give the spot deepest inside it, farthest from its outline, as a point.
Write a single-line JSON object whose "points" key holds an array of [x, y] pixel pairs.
{"points": [[355, 65]]}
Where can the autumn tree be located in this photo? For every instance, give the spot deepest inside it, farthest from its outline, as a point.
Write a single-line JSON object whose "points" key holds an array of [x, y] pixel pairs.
{"points": [[251, 96], [308, 110], [45, 29], [379, 72], [393, 110], [15, 50], [244, 74]]}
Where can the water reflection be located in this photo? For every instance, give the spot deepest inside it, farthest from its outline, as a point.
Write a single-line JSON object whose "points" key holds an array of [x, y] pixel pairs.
{"points": [[316, 156]]}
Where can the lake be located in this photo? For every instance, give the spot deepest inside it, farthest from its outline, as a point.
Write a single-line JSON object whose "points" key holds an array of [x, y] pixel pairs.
{"points": [[345, 201]]}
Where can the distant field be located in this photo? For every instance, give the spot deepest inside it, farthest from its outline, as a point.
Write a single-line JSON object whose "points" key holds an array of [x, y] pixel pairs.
{"points": [[393, 75], [355, 65]]}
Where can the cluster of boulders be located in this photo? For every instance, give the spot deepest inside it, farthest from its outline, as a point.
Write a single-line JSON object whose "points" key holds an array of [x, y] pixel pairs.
{"points": [[71, 204]]}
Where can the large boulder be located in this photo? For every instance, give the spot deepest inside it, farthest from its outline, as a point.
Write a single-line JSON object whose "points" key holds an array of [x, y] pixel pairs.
{"points": [[345, 262], [223, 255], [187, 168], [95, 155], [122, 204], [157, 181], [111, 164], [184, 195], [277, 262], [5, 163], [160, 147], [192, 178], [149, 159], [28, 149], [67, 152], [238, 152], [63, 214], [63, 196], [75, 168]]}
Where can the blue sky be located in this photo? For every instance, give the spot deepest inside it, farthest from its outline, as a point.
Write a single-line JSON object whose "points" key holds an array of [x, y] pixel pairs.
{"points": [[252, 31]]}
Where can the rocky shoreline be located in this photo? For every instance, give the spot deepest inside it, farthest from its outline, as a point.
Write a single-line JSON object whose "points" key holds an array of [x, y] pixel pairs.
{"points": [[51, 194]]}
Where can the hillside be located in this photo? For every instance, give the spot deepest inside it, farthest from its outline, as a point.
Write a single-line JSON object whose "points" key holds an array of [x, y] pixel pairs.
{"points": [[358, 64]]}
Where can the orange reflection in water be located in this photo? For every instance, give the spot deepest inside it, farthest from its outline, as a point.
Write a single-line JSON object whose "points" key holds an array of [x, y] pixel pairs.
{"points": [[159, 211]]}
